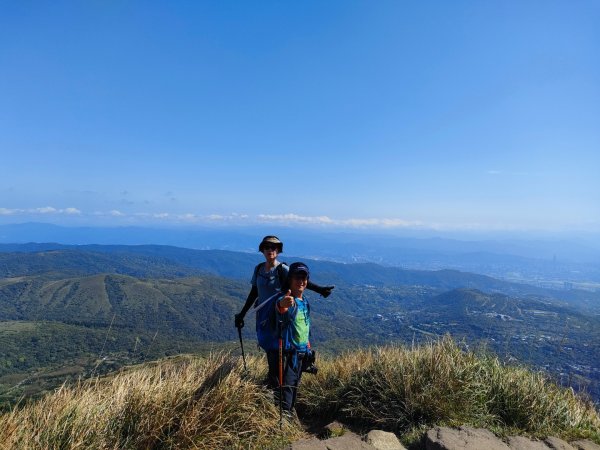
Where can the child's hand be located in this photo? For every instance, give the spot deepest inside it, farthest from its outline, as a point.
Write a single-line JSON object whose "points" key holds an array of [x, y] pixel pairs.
{"points": [[287, 301]]}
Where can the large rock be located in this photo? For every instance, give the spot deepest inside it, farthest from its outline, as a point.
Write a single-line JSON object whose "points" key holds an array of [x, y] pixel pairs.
{"points": [[558, 444], [585, 445], [382, 440], [349, 441], [334, 429], [463, 438], [523, 443], [308, 444]]}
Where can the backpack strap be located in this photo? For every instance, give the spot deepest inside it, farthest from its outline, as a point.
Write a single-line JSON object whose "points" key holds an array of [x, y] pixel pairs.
{"points": [[256, 269], [282, 274]]}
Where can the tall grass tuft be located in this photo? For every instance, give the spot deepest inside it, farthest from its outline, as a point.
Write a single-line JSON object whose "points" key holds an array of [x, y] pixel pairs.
{"points": [[406, 389], [180, 403]]}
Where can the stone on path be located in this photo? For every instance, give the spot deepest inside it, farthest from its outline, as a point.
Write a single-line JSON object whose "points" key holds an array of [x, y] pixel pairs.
{"points": [[467, 438], [334, 429], [348, 441], [438, 438], [558, 444], [585, 445], [523, 443], [382, 440], [464, 438], [308, 444]]}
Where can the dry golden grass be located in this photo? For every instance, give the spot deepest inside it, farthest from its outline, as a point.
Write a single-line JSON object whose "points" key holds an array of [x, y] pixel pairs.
{"points": [[402, 389], [188, 402], [179, 403]]}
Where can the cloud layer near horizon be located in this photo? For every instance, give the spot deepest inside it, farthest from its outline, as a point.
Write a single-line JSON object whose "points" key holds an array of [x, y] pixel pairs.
{"points": [[191, 218], [75, 216]]}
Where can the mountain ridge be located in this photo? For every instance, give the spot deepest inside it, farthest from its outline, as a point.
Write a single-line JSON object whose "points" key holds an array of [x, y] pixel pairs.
{"points": [[166, 261]]}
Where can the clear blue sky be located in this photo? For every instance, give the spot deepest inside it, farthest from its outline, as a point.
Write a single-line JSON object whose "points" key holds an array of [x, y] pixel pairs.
{"points": [[462, 114]]}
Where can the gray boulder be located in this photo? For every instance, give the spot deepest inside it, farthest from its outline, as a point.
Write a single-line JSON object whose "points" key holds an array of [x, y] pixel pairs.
{"points": [[585, 445], [382, 440], [308, 444], [464, 438], [558, 444], [349, 441], [523, 443]]}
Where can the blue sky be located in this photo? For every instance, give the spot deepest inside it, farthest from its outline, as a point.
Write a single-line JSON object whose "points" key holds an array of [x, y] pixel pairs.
{"points": [[444, 115]]}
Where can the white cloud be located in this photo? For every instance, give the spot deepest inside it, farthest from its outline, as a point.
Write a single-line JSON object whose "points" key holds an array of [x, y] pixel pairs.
{"points": [[52, 210], [385, 223], [294, 218], [116, 213], [188, 217], [327, 221], [45, 210], [226, 218]]}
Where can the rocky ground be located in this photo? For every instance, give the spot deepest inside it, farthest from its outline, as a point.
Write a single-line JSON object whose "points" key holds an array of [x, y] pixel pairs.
{"points": [[336, 437]]}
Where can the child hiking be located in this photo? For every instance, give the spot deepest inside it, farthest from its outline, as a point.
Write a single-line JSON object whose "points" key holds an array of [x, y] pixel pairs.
{"points": [[268, 280], [293, 317]]}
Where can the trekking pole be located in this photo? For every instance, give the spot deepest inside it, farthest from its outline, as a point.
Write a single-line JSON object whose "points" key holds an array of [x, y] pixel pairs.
{"points": [[242, 345], [280, 377]]}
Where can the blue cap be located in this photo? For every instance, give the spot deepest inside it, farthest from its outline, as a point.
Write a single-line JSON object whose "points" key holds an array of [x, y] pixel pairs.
{"points": [[298, 268]]}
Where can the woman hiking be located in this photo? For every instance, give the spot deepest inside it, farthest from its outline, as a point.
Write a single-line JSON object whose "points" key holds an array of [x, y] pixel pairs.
{"points": [[269, 278]]}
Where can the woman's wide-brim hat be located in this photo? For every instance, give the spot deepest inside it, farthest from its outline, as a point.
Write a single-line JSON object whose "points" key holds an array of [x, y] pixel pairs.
{"points": [[271, 240]]}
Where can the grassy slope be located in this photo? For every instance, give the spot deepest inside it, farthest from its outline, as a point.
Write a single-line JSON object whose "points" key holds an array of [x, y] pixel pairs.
{"points": [[186, 402], [186, 305]]}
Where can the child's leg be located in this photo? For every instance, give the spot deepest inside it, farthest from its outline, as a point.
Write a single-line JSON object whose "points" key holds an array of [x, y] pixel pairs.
{"points": [[291, 380]]}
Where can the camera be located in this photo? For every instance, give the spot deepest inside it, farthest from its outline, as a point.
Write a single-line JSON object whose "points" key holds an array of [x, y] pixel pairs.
{"points": [[308, 362]]}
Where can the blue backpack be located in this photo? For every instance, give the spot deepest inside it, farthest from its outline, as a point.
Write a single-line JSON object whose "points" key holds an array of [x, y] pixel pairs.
{"points": [[267, 326]]}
